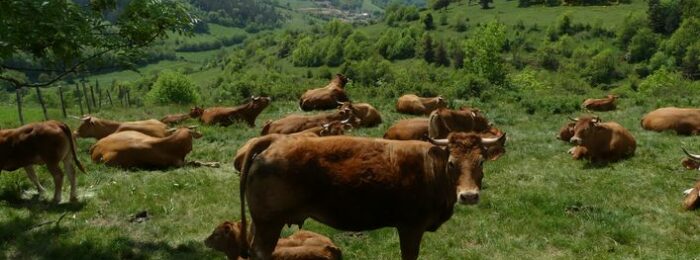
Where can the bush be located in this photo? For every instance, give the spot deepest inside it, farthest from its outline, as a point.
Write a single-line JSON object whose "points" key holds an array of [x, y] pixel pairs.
{"points": [[601, 69], [642, 46], [172, 87], [483, 53], [470, 86]]}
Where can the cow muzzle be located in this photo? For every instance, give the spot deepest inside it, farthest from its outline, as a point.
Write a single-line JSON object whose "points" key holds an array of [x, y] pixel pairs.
{"points": [[468, 197], [575, 140]]}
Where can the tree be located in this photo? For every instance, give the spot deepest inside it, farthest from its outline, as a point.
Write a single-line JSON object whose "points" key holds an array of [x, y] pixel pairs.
{"points": [[172, 87], [66, 37], [440, 4], [427, 48], [482, 53], [441, 55], [428, 21]]}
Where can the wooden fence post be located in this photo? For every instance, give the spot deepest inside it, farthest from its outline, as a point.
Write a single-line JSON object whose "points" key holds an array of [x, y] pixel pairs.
{"points": [[94, 101], [63, 103], [41, 102], [109, 97], [80, 99], [99, 94], [19, 105], [87, 98]]}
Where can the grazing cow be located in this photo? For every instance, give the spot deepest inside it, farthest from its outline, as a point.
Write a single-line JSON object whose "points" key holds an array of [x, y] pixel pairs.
{"points": [[566, 132], [131, 149], [332, 128], [366, 113], [49, 143], [326, 97], [225, 116], [175, 119], [302, 245], [692, 197], [356, 183], [444, 121], [601, 141], [100, 128], [414, 105], [296, 123], [600, 104], [685, 121]]}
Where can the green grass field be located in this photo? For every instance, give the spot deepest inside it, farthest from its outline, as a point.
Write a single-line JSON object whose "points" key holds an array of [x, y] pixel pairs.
{"points": [[537, 202]]}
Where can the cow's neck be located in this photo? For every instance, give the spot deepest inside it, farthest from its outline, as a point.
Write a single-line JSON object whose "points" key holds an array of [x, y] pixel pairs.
{"points": [[336, 82], [106, 127]]}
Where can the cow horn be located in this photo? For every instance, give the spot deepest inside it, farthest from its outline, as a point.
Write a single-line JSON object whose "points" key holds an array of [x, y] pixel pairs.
{"points": [[346, 121], [74, 117], [573, 119], [596, 119], [493, 140], [171, 130], [695, 157], [438, 142], [192, 127]]}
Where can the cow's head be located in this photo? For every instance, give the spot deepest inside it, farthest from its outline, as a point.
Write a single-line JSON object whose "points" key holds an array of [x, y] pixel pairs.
{"points": [[613, 97], [259, 103], [467, 154], [692, 162], [440, 102], [90, 127], [566, 132], [584, 128], [227, 238], [196, 112], [349, 113], [341, 80]]}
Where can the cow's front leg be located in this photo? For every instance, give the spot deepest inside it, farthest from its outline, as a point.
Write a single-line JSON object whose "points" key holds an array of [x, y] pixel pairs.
{"points": [[578, 152], [410, 238], [32, 177]]}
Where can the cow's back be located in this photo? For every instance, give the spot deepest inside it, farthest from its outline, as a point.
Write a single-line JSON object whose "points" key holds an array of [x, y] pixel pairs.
{"points": [[349, 183], [682, 120], [410, 104], [408, 129], [322, 98], [215, 115], [149, 127], [622, 143], [35, 143], [129, 149]]}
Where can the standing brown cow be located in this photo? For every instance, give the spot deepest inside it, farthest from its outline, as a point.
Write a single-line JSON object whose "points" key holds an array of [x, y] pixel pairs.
{"points": [[355, 183], [601, 141], [414, 105], [685, 121], [225, 116], [302, 245], [195, 112], [600, 104], [47, 143], [366, 113], [100, 128], [131, 149], [326, 97]]}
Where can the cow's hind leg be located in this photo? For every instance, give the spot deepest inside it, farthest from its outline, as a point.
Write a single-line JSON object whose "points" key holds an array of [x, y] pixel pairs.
{"points": [[32, 177], [70, 171], [265, 239], [57, 181], [410, 238]]}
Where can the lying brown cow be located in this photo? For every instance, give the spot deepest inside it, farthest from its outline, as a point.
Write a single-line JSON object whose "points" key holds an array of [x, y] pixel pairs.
{"points": [[131, 149], [326, 97], [296, 123], [600, 104], [100, 128], [195, 112], [685, 121], [444, 121], [366, 113], [356, 183], [226, 116], [302, 245], [408, 129], [47, 143], [692, 197], [566, 132], [601, 141], [332, 128], [414, 105]]}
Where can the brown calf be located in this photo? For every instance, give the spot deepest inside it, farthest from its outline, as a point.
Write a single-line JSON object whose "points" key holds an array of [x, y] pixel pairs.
{"points": [[47, 143], [415, 105], [225, 116], [600, 104], [296, 123], [366, 113], [302, 245], [100, 128], [326, 97], [175, 119], [601, 141]]}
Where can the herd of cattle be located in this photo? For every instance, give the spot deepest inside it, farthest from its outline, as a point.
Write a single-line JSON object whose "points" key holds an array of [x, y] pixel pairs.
{"points": [[302, 166]]}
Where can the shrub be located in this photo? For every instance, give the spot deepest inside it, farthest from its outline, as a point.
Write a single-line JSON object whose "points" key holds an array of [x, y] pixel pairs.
{"points": [[601, 69], [172, 87], [470, 86], [642, 45], [482, 53]]}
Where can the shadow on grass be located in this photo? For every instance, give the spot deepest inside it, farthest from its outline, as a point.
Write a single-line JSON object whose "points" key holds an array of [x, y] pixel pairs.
{"points": [[24, 238], [13, 199]]}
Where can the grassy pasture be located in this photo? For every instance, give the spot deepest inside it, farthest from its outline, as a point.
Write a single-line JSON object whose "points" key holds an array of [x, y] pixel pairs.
{"points": [[536, 203]]}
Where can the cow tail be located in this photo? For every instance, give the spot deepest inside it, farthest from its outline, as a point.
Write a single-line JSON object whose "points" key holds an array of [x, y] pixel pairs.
{"points": [[69, 135], [256, 148]]}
